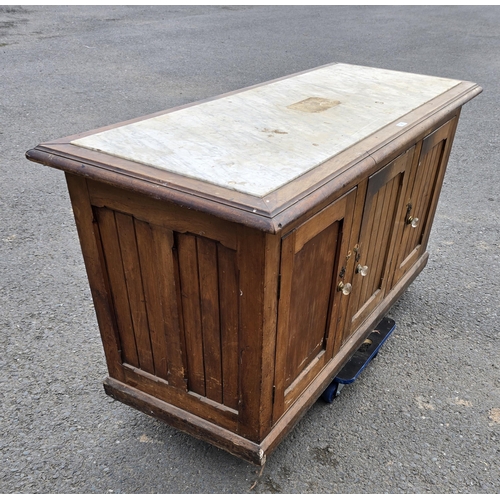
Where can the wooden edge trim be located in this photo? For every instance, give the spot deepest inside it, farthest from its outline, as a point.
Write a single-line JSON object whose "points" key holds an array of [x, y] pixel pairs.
{"points": [[270, 218], [157, 191], [345, 178], [455, 97], [140, 172], [186, 422], [420, 128], [321, 382], [325, 194]]}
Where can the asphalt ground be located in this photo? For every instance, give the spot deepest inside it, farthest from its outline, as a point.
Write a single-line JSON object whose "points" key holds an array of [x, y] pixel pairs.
{"points": [[424, 417]]}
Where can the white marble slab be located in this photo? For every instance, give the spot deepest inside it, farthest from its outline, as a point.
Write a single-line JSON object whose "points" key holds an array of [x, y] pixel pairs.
{"points": [[261, 139]]}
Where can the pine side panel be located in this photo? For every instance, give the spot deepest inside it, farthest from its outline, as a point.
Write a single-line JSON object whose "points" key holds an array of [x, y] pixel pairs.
{"points": [[162, 213], [190, 401]]}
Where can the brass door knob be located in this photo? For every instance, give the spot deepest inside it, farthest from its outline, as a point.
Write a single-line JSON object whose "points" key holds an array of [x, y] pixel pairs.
{"points": [[345, 288], [363, 270], [412, 221]]}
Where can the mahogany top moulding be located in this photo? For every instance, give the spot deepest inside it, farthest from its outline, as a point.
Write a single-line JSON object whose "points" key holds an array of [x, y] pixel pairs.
{"points": [[264, 155]]}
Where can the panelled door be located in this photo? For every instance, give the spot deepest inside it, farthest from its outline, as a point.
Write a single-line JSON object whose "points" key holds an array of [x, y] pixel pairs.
{"points": [[372, 253], [424, 186], [310, 306]]}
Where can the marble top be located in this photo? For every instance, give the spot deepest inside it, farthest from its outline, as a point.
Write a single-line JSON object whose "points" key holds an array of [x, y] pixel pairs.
{"points": [[260, 139]]}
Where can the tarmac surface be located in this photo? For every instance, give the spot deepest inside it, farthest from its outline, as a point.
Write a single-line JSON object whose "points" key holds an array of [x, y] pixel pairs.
{"points": [[424, 417]]}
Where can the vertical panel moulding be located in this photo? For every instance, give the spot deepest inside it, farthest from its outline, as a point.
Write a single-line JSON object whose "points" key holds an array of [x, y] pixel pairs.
{"points": [[177, 293], [271, 284], [420, 208], [286, 271], [110, 309], [448, 134], [340, 302], [377, 244], [391, 200], [168, 282], [336, 247], [133, 279], [419, 180], [367, 248], [349, 302], [403, 233], [149, 264], [210, 317], [114, 265], [190, 299], [414, 234], [333, 333], [428, 191], [399, 189], [400, 220], [333, 306], [228, 304], [367, 227]]}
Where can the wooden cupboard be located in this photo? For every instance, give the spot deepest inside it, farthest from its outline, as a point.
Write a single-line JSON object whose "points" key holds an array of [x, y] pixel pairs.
{"points": [[240, 249]]}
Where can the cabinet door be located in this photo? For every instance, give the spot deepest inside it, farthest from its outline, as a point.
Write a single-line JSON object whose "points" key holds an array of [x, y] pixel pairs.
{"points": [[373, 252], [310, 305], [426, 179]]}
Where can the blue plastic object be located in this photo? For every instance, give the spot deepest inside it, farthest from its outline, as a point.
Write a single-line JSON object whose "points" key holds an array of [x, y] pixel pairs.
{"points": [[360, 359]]}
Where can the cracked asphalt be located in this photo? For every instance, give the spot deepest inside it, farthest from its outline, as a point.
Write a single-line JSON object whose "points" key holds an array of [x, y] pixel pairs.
{"points": [[424, 417]]}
